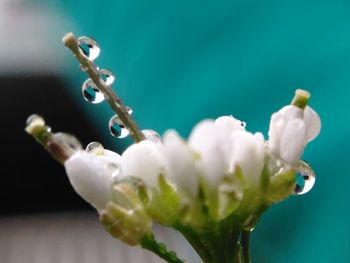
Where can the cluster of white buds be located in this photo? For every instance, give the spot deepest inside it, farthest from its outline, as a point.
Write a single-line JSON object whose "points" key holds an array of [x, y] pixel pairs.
{"points": [[216, 184]]}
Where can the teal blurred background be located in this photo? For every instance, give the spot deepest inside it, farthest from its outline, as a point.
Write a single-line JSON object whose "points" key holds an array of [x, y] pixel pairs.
{"points": [[178, 62]]}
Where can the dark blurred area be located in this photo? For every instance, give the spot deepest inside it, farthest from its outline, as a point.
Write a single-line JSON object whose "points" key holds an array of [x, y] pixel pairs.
{"points": [[42, 219], [32, 66], [32, 181]]}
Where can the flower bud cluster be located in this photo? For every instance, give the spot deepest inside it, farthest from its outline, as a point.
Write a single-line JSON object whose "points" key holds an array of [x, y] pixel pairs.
{"points": [[222, 170]]}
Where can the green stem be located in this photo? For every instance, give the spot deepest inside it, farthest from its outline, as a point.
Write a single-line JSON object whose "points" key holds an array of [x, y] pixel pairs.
{"points": [[215, 242], [238, 254], [71, 42], [149, 243], [245, 241]]}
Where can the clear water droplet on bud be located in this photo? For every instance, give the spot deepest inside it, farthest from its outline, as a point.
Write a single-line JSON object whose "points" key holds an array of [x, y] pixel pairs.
{"points": [[305, 178], [117, 128], [95, 148], [113, 169], [63, 145], [152, 135], [106, 76], [92, 93], [88, 47]]}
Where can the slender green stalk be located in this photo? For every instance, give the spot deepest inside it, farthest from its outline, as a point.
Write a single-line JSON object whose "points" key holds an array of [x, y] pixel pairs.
{"points": [[245, 241], [71, 42], [238, 254], [149, 243]]}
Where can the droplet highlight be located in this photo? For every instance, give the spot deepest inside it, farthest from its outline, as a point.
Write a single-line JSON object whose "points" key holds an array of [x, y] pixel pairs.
{"points": [[91, 93], [305, 178], [113, 169], [117, 128], [152, 135], [129, 110], [89, 47], [107, 76], [95, 148]]}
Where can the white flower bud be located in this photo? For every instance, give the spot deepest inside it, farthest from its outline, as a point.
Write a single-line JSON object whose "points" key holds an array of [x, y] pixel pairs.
{"points": [[229, 124], [91, 176], [181, 161], [145, 160], [248, 154], [290, 130], [208, 142]]}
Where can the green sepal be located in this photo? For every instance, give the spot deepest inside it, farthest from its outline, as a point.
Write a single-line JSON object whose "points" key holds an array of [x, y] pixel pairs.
{"points": [[164, 202], [125, 217], [230, 193], [281, 186], [128, 225]]}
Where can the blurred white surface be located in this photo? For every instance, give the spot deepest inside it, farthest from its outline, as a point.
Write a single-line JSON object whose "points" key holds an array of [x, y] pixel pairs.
{"points": [[75, 238], [29, 38]]}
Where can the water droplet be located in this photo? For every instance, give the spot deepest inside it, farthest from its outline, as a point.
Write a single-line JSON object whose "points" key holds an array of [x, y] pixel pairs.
{"points": [[89, 47], [95, 148], [62, 145], [305, 178], [129, 110], [67, 140], [106, 76], [250, 222], [117, 128], [152, 135], [113, 169], [92, 93]]}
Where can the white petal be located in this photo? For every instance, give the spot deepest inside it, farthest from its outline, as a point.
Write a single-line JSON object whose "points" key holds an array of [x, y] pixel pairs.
{"points": [[293, 141], [181, 161], [313, 123], [276, 129], [146, 161], [287, 133], [208, 141], [248, 153], [291, 112], [111, 154], [229, 124], [90, 177]]}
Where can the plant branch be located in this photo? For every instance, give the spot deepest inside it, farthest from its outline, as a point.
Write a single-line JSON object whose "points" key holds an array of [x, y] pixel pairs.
{"points": [[245, 241], [71, 42], [149, 243]]}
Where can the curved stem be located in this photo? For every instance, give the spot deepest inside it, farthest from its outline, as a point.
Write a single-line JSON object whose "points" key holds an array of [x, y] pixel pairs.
{"points": [[149, 243], [71, 42], [245, 241]]}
